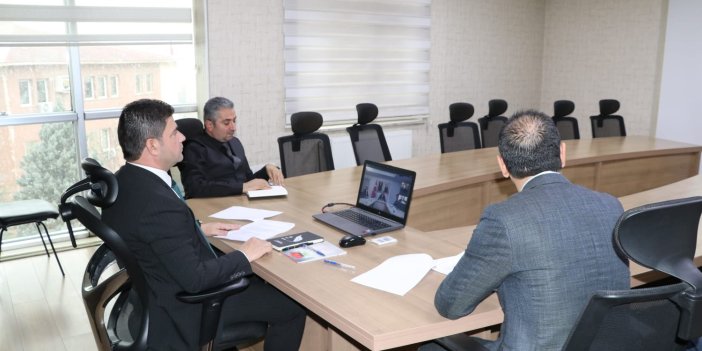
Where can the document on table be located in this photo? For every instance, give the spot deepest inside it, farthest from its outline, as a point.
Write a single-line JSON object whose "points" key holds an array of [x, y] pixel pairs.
{"points": [[274, 190], [244, 213], [398, 274], [445, 265], [262, 229]]}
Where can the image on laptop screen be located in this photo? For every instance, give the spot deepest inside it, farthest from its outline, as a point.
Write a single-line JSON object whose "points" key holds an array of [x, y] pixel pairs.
{"points": [[384, 190]]}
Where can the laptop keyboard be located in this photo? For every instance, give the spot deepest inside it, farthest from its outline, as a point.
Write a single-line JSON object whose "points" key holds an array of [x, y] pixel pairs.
{"points": [[360, 218]]}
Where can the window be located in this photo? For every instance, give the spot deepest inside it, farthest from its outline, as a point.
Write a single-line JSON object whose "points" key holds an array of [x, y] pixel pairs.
{"points": [[42, 91], [101, 87], [340, 53], [25, 87], [62, 95], [89, 88], [114, 86], [144, 83]]}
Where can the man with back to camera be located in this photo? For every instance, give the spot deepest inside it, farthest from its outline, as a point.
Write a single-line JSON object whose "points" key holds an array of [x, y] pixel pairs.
{"points": [[545, 250], [214, 164], [160, 229]]}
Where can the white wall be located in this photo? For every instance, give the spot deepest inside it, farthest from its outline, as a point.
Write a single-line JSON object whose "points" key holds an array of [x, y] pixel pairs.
{"points": [[679, 116]]}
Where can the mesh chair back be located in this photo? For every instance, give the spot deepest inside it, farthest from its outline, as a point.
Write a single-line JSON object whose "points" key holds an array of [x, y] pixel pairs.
{"points": [[629, 320], [567, 125], [492, 123], [306, 151], [568, 128], [465, 137], [368, 140], [369, 143], [314, 154], [607, 124]]}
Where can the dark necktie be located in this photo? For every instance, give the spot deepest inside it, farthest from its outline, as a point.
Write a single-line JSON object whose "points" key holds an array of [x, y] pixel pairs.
{"points": [[203, 239], [228, 150]]}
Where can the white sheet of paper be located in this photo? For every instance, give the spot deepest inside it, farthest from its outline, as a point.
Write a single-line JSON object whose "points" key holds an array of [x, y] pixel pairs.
{"points": [[262, 229], [275, 190], [445, 265], [398, 274], [244, 213]]}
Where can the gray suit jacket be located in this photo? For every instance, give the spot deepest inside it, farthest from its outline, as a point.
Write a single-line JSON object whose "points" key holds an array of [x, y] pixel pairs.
{"points": [[545, 250]]}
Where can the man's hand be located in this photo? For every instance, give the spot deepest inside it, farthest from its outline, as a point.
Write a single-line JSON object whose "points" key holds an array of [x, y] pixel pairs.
{"points": [[255, 184], [275, 176], [254, 248], [217, 228]]}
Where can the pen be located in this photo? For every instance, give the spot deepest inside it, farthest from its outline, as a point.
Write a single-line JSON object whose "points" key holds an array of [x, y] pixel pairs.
{"points": [[342, 265], [317, 251]]}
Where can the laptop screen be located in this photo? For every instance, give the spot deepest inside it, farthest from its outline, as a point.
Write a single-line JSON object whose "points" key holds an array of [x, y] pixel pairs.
{"points": [[386, 190]]}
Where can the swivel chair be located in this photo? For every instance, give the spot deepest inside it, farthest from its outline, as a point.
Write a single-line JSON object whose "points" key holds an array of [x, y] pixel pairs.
{"points": [[660, 236], [127, 325], [492, 123], [191, 128], [459, 134], [567, 125], [306, 150], [606, 124], [367, 139]]}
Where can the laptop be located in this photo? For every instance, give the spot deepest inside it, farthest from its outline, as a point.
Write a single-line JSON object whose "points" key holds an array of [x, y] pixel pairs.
{"points": [[382, 203]]}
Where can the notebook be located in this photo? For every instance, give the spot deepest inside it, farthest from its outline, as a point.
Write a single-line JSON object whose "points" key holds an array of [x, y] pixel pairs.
{"points": [[382, 203], [294, 240]]}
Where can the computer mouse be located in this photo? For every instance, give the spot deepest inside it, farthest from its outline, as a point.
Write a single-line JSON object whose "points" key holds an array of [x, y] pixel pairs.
{"points": [[351, 240]]}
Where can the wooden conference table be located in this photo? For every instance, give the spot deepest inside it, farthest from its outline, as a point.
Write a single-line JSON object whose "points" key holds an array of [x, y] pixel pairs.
{"points": [[352, 316]]}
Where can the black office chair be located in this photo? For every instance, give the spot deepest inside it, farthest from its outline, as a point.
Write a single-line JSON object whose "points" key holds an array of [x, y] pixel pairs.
{"points": [[191, 128], [114, 274], [567, 125], [606, 124], [458, 134], [660, 236], [306, 150], [367, 139], [492, 123]]}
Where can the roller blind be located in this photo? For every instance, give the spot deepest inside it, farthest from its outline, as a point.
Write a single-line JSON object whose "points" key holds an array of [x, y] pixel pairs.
{"points": [[341, 53]]}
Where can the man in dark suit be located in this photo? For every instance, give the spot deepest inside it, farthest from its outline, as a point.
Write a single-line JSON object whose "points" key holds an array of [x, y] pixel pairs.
{"points": [[545, 250], [160, 229], [214, 163]]}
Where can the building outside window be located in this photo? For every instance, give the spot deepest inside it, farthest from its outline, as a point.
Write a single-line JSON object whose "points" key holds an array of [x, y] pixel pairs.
{"points": [[48, 127]]}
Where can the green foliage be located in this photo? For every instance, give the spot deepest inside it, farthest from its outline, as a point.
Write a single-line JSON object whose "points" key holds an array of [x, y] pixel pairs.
{"points": [[49, 166]]}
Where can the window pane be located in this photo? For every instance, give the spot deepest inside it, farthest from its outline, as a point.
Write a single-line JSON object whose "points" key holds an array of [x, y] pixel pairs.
{"points": [[165, 72], [133, 3], [133, 28], [31, 27], [102, 143], [20, 67], [38, 162]]}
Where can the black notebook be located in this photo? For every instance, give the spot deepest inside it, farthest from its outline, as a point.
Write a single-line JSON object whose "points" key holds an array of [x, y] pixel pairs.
{"points": [[294, 240]]}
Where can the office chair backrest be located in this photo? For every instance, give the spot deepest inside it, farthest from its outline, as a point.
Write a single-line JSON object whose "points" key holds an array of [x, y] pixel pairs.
{"points": [[306, 151], [606, 124], [191, 128], [367, 139], [567, 125], [492, 123], [117, 287], [458, 134], [661, 236]]}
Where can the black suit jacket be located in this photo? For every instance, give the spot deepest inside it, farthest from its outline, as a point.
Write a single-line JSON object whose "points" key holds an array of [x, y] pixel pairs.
{"points": [[207, 171], [161, 231]]}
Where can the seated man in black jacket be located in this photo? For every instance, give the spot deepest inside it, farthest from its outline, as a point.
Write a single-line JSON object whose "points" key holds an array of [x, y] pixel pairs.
{"points": [[214, 164]]}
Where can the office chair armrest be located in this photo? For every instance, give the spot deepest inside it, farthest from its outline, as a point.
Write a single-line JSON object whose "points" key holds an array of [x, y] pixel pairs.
{"points": [[211, 300], [217, 293]]}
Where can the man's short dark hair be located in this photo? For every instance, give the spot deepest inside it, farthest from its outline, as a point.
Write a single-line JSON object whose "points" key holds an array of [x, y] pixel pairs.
{"points": [[215, 104], [141, 120], [529, 144]]}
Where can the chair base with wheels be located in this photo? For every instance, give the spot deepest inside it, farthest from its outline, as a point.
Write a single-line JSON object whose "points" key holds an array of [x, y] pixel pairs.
{"points": [[27, 212]]}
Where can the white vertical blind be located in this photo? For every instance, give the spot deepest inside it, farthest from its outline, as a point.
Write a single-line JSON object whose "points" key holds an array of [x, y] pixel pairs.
{"points": [[340, 53]]}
